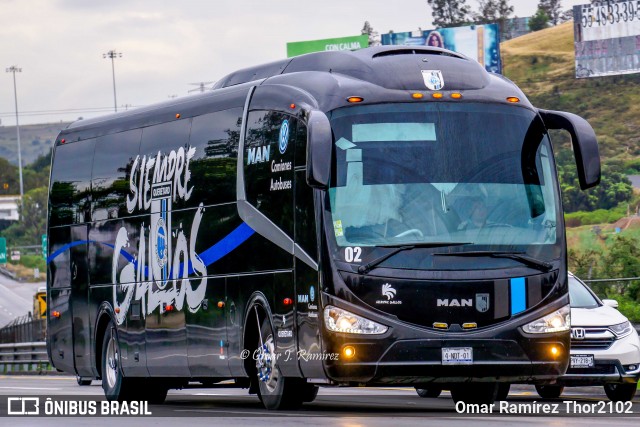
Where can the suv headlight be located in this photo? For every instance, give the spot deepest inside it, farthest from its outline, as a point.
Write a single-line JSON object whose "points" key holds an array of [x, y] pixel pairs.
{"points": [[621, 329], [339, 320], [558, 321]]}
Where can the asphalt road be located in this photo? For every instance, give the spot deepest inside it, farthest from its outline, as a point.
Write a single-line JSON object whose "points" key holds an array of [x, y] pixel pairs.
{"points": [[16, 298], [352, 407]]}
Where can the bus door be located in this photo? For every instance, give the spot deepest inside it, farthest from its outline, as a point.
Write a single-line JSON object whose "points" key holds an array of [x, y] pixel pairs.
{"points": [[59, 329], [79, 300]]}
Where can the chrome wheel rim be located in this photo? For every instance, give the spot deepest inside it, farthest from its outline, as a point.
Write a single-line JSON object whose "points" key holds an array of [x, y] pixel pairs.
{"points": [[266, 365], [112, 363]]}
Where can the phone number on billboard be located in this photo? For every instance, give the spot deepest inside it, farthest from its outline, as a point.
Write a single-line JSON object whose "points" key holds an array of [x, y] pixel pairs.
{"points": [[612, 13]]}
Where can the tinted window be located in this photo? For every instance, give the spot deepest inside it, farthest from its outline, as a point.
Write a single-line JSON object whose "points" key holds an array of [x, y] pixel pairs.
{"points": [[268, 163], [305, 214], [163, 166], [112, 167], [70, 195], [215, 138]]}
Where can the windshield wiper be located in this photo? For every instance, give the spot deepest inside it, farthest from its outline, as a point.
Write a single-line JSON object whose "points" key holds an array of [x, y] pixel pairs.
{"points": [[365, 268], [518, 256]]}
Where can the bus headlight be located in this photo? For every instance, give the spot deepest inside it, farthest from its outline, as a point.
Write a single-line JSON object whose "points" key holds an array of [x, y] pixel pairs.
{"points": [[558, 321], [339, 320]]}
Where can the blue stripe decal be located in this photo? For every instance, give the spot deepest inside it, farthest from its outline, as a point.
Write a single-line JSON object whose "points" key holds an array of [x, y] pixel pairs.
{"points": [[208, 257], [518, 295]]}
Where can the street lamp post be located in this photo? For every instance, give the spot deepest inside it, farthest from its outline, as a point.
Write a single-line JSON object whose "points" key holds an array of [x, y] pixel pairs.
{"points": [[113, 54], [14, 69]]}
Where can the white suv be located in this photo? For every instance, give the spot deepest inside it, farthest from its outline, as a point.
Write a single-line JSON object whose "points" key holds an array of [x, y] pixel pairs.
{"points": [[605, 349]]}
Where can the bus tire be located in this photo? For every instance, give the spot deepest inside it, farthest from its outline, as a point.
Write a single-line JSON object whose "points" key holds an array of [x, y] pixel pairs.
{"points": [[549, 391], [429, 391], [275, 391], [83, 381], [114, 384], [480, 393]]}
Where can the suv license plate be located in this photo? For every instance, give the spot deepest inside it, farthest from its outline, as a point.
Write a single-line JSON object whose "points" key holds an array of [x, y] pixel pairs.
{"points": [[457, 355], [582, 360]]}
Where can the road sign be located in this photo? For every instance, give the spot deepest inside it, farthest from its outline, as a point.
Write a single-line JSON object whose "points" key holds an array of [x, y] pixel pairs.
{"points": [[3, 250], [44, 246]]}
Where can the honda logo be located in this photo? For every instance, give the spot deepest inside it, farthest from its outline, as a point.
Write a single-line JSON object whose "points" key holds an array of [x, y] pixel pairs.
{"points": [[577, 333]]}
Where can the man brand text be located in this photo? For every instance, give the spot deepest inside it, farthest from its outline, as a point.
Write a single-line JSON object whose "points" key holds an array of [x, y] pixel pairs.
{"points": [[467, 302], [257, 155]]}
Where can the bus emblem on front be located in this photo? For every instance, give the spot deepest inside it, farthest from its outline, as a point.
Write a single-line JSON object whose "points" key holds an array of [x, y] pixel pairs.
{"points": [[433, 79], [482, 302]]}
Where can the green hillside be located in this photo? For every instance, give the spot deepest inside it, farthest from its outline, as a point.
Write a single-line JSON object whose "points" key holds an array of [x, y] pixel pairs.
{"points": [[35, 141], [543, 63]]}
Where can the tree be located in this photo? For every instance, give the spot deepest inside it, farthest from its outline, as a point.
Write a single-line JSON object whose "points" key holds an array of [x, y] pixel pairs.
{"points": [[494, 11], [33, 219], [374, 39], [553, 10], [539, 21], [449, 13]]}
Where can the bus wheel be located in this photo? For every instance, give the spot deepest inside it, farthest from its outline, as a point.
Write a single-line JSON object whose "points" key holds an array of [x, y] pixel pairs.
{"points": [[503, 391], [274, 390], [481, 393], [429, 391], [549, 391], [83, 381], [114, 384]]}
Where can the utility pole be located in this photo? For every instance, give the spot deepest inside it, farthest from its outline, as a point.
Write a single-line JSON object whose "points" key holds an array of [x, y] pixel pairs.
{"points": [[113, 54], [14, 69]]}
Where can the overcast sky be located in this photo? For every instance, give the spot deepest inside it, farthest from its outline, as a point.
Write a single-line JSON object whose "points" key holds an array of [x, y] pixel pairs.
{"points": [[166, 45]]}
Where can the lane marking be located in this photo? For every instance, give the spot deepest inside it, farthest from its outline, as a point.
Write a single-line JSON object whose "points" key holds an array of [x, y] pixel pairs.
{"points": [[30, 388]]}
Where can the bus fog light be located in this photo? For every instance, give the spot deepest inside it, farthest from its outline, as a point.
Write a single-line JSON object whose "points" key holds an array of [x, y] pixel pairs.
{"points": [[339, 320], [558, 321], [348, 352], [555, 351]]}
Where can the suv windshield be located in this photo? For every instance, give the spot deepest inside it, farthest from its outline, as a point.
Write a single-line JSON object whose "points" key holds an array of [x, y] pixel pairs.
{"points": [[580, 296], [446, 172]]}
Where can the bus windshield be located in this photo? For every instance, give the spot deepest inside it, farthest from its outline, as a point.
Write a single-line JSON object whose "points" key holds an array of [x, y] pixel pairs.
{"points": [[412, 174]]}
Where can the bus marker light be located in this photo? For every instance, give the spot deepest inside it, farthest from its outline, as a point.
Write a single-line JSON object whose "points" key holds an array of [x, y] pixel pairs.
{"points": [[355, 99], [440, 325], [417, 95], [349, 352], [469, 325], [513, 99], [177, 115], [62, 141], [437, 95], [287, 301], [220, 304], [292, 106], [456, 95], [55, 314], [169, 307], [117, 310]]}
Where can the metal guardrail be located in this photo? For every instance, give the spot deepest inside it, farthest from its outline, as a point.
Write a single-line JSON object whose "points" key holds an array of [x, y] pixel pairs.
{"points": [[24, 329], [30, 356]]}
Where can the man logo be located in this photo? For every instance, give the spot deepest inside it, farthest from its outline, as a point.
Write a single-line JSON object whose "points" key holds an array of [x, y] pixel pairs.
{"points": [[388, 291], [312, 294], [577, 333], [482, 302]]}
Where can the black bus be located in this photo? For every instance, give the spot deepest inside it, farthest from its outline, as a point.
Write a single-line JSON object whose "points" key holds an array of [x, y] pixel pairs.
{"points": [[379, 217]]}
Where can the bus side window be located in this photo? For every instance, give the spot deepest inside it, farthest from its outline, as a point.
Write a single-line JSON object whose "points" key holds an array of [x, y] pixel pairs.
{"points": [[215, 138], [70, 196], [268, 164], [112, 169]]}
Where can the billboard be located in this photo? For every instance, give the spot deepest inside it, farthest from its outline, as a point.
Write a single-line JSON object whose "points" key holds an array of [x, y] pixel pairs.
{"points": [[479, 42], [607, 38], [341, 43]]}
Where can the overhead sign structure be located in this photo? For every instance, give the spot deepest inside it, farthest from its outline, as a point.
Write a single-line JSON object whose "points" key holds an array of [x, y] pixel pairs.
{"points": [[3, 250], [479, 42], [607, 38], [341, 43]]}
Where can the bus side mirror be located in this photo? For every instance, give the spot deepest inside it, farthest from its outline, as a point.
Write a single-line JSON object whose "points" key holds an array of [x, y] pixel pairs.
{"points": [[585, 144], [319, 143]]}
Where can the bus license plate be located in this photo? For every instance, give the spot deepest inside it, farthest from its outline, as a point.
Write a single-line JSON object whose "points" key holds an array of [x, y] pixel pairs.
{"points": [[457, 355], [582, 360]]}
